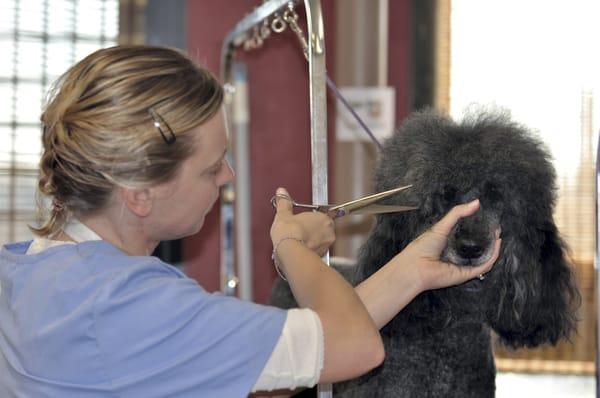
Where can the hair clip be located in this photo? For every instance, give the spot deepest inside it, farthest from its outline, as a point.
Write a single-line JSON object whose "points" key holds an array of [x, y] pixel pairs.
{"points": [[162, 126]]}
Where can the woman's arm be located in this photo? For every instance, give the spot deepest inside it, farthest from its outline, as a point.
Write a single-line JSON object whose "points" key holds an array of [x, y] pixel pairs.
{"points": [[352, 342], [418, 268]]}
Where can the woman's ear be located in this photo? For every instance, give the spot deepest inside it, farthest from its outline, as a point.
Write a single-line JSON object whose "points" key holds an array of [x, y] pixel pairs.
{"points": [[137, 200]]}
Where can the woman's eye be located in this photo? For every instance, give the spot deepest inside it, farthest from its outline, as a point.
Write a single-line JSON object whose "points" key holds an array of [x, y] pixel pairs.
{"points": [[215, 169]]}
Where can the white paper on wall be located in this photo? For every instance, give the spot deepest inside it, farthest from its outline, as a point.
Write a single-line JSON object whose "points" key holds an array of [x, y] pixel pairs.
{"points": [[375, 106]]}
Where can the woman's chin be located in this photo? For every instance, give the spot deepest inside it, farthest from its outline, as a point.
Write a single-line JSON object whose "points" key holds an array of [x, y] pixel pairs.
{"points": [[198, 226]]}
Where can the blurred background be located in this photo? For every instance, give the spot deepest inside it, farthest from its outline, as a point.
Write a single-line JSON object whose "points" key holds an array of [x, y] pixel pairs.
{"points": [[538, 59]]}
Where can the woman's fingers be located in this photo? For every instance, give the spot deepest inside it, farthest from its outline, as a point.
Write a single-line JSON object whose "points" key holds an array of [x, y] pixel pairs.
{"points": [[445, 225], [322, 233], [438, 274], [464, 274], [485, 267], [314, 228]]}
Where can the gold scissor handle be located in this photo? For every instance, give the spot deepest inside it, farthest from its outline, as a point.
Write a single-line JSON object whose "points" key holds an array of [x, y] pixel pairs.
{"points": [[294, 203], [327, 209]]}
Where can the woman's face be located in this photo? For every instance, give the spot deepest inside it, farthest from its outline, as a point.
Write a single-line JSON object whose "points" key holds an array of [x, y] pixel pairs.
{"points": [[181, 205]]}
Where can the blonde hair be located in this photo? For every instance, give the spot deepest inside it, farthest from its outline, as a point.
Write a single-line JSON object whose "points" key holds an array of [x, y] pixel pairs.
{"points": [[99, 125]]}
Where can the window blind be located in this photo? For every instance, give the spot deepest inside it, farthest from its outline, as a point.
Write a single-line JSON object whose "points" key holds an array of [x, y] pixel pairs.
{"points": [[39, 40], [548, 79]]}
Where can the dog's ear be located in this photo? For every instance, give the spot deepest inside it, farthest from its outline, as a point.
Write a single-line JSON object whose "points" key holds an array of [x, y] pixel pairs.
{"points": [[539, 298]]}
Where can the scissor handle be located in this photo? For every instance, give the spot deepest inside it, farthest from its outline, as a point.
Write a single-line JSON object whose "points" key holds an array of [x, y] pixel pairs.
{"points": [[331, 211], [279, 195]]}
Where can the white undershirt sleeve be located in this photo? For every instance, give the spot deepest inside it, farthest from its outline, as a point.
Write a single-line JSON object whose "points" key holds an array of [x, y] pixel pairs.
{"points": [[297, 359]]}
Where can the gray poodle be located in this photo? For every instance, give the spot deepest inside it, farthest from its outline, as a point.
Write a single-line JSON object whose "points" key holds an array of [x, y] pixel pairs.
{"points": [[440, 344]]}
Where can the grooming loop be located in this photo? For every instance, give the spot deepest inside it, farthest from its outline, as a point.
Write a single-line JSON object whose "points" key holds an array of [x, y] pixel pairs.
{"points": [[276, 23], [290, 18], [279, 25]]}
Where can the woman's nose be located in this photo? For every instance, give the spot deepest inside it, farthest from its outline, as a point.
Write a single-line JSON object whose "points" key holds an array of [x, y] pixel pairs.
{"points": [[228, 173]]}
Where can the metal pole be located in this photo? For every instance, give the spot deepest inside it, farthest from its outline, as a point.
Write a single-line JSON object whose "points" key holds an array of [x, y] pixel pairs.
{"points": [[242, 198], [318, 117]]}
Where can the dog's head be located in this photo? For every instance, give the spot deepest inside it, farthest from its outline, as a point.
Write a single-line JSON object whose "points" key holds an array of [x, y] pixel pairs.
{"points": [[529, 296]]}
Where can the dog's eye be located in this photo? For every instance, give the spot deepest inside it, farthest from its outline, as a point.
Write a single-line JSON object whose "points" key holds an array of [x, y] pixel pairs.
{"points": [[492, 193], [449, 193]]}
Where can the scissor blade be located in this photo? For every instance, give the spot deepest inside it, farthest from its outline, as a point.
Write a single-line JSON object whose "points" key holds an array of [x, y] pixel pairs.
{"points": [[367, 200], [380, 209]]}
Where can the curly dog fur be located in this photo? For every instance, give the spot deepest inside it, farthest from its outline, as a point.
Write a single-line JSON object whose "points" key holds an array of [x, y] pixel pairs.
{"points": [[440, 344]]}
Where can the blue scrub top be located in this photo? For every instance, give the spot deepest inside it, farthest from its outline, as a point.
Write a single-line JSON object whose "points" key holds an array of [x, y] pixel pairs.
{"points": [[87, 320]]}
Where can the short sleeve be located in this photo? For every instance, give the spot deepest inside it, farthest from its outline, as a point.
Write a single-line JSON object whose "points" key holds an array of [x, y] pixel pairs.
{"points": [[160, 334], [297, 359]]}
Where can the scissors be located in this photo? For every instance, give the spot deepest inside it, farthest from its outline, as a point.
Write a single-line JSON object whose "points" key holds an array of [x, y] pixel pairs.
{"points": [[364, 205]]}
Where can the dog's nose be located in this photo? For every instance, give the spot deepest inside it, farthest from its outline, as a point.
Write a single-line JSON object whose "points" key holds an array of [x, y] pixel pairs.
{"points": [[467, 248]]}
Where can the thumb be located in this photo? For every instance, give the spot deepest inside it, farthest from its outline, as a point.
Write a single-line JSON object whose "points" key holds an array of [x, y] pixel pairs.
{"points": [[283, 201], [445, 225]]}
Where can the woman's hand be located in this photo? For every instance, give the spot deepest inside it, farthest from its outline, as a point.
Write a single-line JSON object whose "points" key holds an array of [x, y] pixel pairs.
{"points": [[417, 268], [314, 228], [425, 252], [353, 344]]}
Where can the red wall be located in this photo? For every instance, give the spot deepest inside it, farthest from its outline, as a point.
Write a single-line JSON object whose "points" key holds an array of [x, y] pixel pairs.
{"points": [[399, 54], [279, 122]]}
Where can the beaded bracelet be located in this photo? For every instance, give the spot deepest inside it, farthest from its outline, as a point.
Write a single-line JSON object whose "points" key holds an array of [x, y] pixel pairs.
{"points": [[274, 254]]}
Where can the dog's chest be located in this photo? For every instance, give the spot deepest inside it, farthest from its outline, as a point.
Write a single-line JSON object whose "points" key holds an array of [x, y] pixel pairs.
{"points": [[454, 362]]}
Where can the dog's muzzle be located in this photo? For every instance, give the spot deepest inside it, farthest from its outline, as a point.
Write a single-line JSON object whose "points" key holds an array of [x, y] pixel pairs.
{"points": [[471, 242]]}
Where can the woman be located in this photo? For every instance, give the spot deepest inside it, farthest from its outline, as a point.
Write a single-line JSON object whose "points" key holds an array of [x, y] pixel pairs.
{"points": [[134, 153]]}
